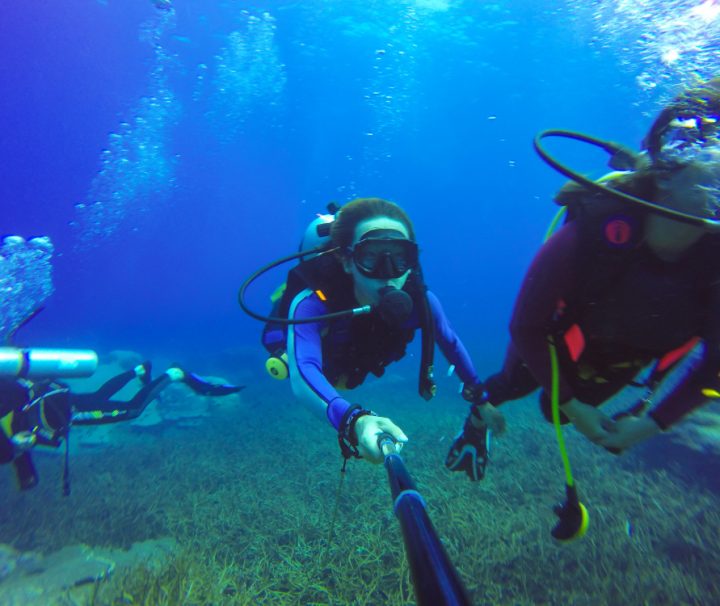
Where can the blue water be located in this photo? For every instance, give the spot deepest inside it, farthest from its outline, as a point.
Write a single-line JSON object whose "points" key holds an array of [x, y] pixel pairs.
{"points": [[253, 116]]}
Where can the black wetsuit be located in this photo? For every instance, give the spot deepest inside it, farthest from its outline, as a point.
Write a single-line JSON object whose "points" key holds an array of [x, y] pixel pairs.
{"points": [[610, 317]]}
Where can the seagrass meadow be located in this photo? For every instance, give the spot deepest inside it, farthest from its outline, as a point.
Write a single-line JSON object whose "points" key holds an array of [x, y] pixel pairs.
{"points": [[261, 517]]}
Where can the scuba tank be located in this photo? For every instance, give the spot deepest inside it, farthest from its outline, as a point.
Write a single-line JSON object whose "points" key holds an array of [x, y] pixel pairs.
{"points": [[37, 363], [316, 236], [317, 233]]}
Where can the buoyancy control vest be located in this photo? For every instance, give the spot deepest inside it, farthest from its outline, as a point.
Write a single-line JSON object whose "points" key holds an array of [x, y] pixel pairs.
{"points": [[353, 347], [24, 408], [621, 287]]}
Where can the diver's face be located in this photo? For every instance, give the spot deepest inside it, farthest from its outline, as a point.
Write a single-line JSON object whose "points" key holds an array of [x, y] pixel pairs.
{"points": [[692, 189], [367, 290], [669, 238]]}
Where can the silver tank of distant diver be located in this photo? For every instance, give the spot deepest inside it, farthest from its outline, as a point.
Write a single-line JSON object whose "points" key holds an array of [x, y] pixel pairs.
{"points": [[36, 363]]}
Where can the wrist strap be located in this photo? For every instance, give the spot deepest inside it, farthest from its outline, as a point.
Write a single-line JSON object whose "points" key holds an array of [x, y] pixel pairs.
{"points": [[475, 394], [347, 438]]}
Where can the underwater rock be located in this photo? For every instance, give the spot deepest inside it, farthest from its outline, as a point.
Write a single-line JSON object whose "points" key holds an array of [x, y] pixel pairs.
{"points": [[14, 561], [178, 405], [151, 416], [125, 359], [65, 576]]}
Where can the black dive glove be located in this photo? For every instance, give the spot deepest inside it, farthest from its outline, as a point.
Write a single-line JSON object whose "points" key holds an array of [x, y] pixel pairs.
{"points": [[470, 450]]}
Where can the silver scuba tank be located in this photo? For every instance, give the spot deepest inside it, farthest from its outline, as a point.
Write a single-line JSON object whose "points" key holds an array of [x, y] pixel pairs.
{"points": [[37, 363]]}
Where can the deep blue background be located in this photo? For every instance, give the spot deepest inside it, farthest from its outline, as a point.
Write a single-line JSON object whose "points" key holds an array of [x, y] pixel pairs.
{"points": [[475, 83]]}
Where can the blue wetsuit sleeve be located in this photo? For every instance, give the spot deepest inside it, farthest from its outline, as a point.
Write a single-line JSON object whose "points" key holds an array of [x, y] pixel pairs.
{"points": [[450, 344], [305, 351]]}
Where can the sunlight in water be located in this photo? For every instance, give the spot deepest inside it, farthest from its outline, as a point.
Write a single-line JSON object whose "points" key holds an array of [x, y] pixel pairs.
{"points": [[668, 42], [433, 5], [707, 11]]}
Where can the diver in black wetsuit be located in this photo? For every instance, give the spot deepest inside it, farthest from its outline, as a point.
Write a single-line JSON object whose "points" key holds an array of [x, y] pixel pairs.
{"points": [[40, 413], [623, 284]]}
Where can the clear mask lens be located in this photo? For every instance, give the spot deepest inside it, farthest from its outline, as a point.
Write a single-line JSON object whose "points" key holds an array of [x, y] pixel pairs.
{"points": [[386, 258]]}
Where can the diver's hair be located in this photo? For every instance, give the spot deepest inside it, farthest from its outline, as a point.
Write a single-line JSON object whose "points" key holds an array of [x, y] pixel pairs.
{"points": [[342, 232], [646, 179]]}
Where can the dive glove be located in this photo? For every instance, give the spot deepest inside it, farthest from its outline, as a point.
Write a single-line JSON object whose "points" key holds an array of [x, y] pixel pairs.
{"points": [[470, 451]]}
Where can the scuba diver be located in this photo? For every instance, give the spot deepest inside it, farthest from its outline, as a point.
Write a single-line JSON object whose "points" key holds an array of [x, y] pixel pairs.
{"points": [[41, 411], [629, 283], [349, 310]]}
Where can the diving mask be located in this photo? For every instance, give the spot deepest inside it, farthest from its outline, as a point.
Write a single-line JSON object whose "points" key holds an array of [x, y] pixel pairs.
{"points": [[686, 126], [384, 254], [689, 159], [685, 139]]}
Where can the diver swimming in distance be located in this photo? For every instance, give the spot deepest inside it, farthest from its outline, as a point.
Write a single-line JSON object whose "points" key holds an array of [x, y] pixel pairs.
{"points": [[40, 412]]}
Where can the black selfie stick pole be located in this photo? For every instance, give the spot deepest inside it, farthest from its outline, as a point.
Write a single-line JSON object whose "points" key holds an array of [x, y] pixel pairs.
{"points": [[435, 579]]}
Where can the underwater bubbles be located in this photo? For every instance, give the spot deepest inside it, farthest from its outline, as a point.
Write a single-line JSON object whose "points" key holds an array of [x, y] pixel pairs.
{"points": [[664, 42], [136, 169], [390, 91], [248, 75], [25, 279]]}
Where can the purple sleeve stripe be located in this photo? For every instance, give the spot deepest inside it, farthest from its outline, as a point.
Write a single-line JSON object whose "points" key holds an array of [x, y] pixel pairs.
{"points": [[307, 353]]}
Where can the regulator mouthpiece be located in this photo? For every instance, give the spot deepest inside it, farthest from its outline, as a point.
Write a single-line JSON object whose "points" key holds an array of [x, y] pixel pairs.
{"points": [[395, 306]]}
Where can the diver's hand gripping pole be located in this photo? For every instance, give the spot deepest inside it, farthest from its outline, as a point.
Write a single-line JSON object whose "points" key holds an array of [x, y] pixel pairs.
{"points": [[435, 579]]}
